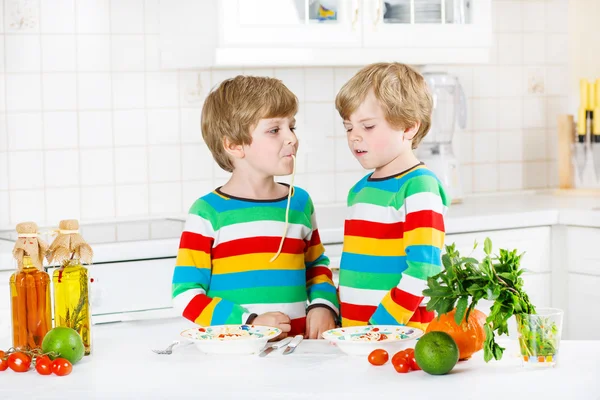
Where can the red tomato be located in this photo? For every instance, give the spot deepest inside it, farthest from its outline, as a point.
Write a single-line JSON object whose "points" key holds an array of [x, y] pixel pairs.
{"points": [[43, 365], [61, 367], [399, 357], [410, 351], [401, 367], [378, 357], [19, 362], [413, 364], [3, 362]]}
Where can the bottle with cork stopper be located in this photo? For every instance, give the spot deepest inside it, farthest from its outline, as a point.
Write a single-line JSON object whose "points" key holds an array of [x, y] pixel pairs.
{"points": [[71, 281], [30, 290]]}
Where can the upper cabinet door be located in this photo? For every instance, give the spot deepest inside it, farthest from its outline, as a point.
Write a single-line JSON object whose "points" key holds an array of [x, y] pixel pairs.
{"points": [[290, 23], [440, 24]]}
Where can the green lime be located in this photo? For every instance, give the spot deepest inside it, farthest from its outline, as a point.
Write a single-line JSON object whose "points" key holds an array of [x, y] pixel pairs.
{"points": [[63, 342], [436, 353]]}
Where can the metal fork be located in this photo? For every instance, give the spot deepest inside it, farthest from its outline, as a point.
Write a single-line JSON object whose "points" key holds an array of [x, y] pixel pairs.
{"points": [[168, 350]]}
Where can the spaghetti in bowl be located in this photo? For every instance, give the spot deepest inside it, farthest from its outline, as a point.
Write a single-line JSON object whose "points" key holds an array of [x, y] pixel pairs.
{"points": [[361, 340], [231, 339]]}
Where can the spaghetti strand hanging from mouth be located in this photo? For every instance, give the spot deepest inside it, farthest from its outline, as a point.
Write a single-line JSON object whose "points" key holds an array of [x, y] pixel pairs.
{"points": [[287, 209]]}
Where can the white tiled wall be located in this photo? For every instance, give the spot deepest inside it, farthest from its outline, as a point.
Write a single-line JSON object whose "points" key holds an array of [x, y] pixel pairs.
{"points": [[91, 128], [584, 63]]}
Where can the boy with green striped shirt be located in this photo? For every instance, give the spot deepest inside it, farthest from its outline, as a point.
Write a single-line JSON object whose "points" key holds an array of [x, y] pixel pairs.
{"points": [[394, 233], [250, 251]]}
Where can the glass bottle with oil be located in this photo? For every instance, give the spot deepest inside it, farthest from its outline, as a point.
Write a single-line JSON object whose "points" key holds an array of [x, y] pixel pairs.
{"points": [[29, 291], [30, 301], [71, 299], [71, 281]]}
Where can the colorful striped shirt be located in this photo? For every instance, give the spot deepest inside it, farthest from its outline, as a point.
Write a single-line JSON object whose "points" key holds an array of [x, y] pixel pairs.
{"points": [[224, 275], [393, 239]]}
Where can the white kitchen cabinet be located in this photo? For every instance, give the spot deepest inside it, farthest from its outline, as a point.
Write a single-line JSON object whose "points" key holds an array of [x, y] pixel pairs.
{"points": [[260, 33], [455, 24], [581, 315], [283, 23], [534, 242], [583, 280], [582, 244]]}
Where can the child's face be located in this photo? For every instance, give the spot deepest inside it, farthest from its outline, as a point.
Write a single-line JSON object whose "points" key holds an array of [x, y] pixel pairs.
{"points": [[273, 143], [371, 139]]}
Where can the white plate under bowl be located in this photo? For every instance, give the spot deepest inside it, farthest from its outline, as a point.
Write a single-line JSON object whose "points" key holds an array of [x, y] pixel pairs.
{"points": [[220, 339], [397, 338]]}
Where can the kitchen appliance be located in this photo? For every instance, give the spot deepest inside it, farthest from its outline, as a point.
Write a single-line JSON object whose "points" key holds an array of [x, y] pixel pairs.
{"points": [[449, 110]]}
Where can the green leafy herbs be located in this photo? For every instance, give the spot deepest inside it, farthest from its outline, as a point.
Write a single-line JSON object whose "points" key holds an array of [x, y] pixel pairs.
{"points": [[464, 281]]}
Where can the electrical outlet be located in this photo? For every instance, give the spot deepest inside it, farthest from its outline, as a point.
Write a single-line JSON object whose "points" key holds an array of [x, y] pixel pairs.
{"points": [[536, 83]]}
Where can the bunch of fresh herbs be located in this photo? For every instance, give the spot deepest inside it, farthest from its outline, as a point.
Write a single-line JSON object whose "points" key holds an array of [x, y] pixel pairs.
{"points": [[465, 280]]}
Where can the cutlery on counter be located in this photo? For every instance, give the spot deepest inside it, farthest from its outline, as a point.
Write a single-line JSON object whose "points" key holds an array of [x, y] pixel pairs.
{"points": [[274, 346], [169, 349], [292, 346]]}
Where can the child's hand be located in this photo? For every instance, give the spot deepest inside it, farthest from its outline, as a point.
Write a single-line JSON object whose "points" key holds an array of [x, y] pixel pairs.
{"points": [[276, 320], [318, 320]]}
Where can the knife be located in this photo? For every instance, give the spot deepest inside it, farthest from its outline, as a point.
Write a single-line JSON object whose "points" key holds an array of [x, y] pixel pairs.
{"points": [[274, 346], [292, 346]]}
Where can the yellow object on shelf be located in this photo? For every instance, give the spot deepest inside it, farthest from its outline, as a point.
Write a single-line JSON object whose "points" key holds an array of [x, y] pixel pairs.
{"points": [[584, 94], [592, 88]]}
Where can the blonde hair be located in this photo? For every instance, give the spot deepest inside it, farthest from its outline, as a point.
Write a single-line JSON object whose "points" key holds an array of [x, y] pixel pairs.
{"points": [[401, 91], [233, 110]]}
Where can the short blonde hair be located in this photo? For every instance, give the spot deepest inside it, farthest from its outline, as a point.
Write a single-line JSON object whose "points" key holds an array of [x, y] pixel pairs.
{"points": [[233, 110], [401, 91]]}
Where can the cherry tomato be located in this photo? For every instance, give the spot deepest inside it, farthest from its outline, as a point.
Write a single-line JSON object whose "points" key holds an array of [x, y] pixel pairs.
{"points": [[378, 357], [61, 367], [413, 364], [402, 367], [43, 365], [410, 351], [399, 357], [19, 362], [3, 362]]}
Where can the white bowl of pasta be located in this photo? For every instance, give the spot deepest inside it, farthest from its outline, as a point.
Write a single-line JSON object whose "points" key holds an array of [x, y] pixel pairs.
{"points": [[231, 339], [361, 340]]}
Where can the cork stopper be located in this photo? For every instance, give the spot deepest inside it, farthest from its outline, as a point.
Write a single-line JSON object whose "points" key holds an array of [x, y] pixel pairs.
{"points": [[69, 244], [29, 244]]}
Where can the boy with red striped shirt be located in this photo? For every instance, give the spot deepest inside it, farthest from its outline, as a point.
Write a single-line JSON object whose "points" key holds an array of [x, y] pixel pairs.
{"points": [[250, 251], [394, 233]]}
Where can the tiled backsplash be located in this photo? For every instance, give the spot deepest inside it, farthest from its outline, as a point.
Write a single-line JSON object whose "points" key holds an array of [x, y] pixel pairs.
{"points": [[91, 128]]}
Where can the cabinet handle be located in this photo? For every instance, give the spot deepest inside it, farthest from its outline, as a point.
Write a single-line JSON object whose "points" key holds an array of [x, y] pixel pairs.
{"points": [[355, 17], [377, 13]]}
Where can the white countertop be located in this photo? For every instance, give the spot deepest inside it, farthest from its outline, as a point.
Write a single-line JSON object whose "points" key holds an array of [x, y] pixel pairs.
{"points": [[476, 213], [122, 366]]}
